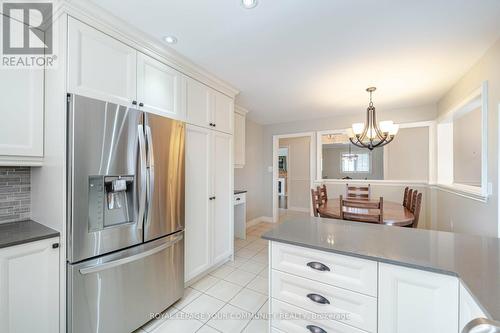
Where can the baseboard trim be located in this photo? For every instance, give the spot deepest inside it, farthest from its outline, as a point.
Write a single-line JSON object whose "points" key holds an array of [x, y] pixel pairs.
{"points": [[259, 219], [299, 209]]}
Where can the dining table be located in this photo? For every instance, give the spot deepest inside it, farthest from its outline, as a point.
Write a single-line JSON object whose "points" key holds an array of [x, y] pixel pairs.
{"points": [[394, 212]]}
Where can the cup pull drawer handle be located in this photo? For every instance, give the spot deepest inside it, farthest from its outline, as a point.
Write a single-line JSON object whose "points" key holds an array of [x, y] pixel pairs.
{"points": [[318, 266], [318, 299], [315, 329]]}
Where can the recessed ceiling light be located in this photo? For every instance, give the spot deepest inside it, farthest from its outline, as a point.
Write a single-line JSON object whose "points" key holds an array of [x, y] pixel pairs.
{"points": [[249, 4], [170, 39]]}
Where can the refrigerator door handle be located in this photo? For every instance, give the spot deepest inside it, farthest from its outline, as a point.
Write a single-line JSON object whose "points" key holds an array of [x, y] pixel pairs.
{"points": [[143, 177], [122, 261], [151, 168]]}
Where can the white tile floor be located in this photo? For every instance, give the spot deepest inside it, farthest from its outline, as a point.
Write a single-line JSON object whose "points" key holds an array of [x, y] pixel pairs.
{"points": [[231, 299]]}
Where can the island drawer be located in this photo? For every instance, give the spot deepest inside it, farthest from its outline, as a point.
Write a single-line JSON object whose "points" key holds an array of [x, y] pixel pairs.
{"points": [[291, 319], [342, 271], [345, 306]]}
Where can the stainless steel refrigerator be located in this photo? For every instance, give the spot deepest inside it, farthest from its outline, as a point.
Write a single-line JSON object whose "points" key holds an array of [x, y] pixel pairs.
{"points": [[125, 215]]}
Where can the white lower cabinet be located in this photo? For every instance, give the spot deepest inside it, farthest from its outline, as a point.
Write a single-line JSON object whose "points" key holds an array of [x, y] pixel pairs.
{"points": [[317, 291], [209, 200], [29, 287], [415, 301], [469, 309]]}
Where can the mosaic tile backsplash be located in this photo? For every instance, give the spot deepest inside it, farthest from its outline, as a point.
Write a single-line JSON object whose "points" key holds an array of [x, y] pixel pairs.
{"points": [[15, 197]]}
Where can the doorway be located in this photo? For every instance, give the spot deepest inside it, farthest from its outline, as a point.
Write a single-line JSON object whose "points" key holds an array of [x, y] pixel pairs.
{"points": [[293, 165]]}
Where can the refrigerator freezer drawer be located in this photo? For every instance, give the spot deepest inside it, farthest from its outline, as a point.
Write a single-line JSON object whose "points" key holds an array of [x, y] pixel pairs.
{"points": [[118, 292]]}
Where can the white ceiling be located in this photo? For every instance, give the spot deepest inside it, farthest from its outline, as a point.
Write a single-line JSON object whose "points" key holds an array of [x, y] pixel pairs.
{"points": [[300, 59]]}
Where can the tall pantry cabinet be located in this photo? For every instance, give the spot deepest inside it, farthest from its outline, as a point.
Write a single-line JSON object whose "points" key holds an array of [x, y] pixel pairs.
{"points": [[209, 179]]}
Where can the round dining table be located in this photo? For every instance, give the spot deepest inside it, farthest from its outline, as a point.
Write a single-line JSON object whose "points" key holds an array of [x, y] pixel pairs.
{"points": [[394, 212]]}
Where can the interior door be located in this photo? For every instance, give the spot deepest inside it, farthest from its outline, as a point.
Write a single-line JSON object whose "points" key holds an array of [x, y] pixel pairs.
{"points": [[100, 66], [198, 208], [223, 191], [159, 88], [165, 163]]}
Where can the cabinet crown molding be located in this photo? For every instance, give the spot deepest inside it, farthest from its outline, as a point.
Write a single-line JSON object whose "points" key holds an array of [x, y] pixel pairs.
{"points": [[241, 110]]}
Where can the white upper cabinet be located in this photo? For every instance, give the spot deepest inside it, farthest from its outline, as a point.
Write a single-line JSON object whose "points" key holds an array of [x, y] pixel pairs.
{"points": [[21, 125], [199, 104], [239, 137], [160, 88], [223, 193], [223, 117], [415, 301], [209, 108], [100, 66]]}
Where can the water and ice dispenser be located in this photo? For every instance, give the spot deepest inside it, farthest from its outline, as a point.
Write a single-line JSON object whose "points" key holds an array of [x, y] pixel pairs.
{"points": [[111, 201]]}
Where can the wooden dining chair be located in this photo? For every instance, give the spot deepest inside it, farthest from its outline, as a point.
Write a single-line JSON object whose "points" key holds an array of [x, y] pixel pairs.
{"points": [[357, 210], [405, 196], [315, 201], [357, 192], [323, 195], [415, 209], [409, 198]]}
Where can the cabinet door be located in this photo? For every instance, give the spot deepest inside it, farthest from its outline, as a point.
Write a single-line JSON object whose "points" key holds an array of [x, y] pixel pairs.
{"points": [[469, 309], [159, 88], [223, 117], [29, 288], [223, 192], [100, 66], [415, 301], [199, 104], [239, 140], [21, 125], [198, 210]]}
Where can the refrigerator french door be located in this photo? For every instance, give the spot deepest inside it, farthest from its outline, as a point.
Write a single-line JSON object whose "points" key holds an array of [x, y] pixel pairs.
{"points": [[125, 215]]}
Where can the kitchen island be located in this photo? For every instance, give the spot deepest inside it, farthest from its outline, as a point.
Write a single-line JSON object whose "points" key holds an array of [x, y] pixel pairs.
{"points": [[375, 278]]}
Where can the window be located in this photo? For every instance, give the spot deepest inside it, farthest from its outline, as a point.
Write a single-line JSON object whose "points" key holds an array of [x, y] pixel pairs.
{"points": [[359, 164]]}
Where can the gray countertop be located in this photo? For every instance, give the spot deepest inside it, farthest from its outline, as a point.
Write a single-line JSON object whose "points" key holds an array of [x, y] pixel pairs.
{"points": [[474, 259], [15, 233]]}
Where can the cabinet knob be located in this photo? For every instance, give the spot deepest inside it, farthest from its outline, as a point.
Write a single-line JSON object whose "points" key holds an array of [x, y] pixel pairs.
{"points": [[134, 102], [141, 104], [318, 299], [55, 245], [315, 329], [238, 199], [318, 266]]}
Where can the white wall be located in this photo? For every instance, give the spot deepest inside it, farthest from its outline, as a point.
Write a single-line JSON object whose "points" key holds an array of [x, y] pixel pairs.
{"points": [[251, 176], [407, 157], [456, 213], [298, 171], [467, 149]]}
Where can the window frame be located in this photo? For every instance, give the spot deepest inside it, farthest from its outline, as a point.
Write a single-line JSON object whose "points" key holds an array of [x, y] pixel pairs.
{"points": [[445, 160]]}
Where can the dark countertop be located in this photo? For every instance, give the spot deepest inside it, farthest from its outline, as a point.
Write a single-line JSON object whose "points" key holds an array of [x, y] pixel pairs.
{"points": [[15, 233], [474, 259], [240, 191]]}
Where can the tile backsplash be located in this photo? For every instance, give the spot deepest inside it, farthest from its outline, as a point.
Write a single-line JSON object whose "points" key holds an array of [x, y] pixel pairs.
{"points": [[15, 196]]}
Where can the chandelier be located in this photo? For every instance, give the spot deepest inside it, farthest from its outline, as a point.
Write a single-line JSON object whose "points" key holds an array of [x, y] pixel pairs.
{"points": [[370, 134]]}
